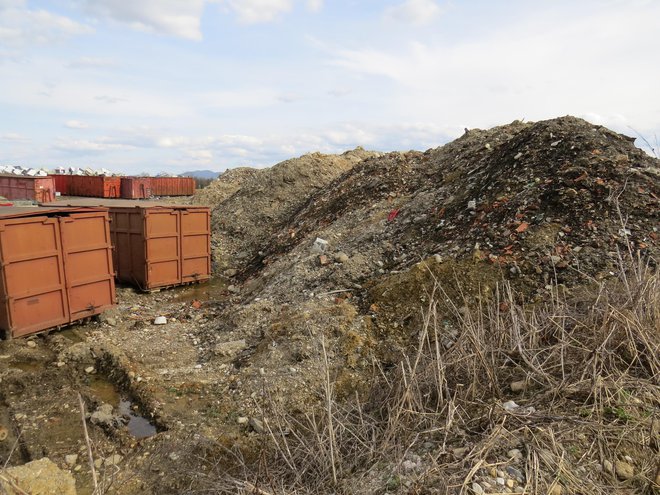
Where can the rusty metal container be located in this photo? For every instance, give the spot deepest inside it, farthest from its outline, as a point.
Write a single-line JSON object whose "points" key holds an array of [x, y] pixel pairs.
{"points": [[172, 186], [55, 267], [97, 186], [135, 187], [40, 189], [157, 244], [61, 183]]}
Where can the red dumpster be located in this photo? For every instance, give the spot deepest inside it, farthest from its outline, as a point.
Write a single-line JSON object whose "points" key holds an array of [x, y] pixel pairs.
{"points": [[172, 186], [97, 186], [156, 244], [55, 267], [40, 189], [61, 183], [135, 187]]}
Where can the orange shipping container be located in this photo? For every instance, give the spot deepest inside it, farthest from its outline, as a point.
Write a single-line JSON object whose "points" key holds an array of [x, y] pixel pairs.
{"points": [[172, 186], [38, 189], [61, 183], [156, 244], [135, 187], [96, 186], [56, 267]]}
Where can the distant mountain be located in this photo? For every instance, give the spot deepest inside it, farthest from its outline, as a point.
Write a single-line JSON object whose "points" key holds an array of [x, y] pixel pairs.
{"points": [[201, 174]]}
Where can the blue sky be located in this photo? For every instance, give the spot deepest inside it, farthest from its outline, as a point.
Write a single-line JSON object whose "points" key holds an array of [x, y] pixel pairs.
{"points": [[153, 85]]}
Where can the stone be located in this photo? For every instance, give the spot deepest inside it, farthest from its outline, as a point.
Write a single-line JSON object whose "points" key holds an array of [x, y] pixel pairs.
{"points": [[499, 481], [341, 257], [477, 489], [323, 260], [518, 386], [4, 433], [160, 320], [510, 483], [230, 273], [231, 348], [41, 477], [103, 415], [98, 463], [71, 459], [623, 470], [320, 246], [257, 425], [472, 205], [608, 467], [111, 321], [242, 420], [112, 460], [233, 289], [32, 344], [510, 406]]}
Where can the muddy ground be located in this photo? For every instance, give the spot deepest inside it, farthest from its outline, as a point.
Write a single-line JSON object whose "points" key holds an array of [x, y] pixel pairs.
{"points": [[148, 373]]}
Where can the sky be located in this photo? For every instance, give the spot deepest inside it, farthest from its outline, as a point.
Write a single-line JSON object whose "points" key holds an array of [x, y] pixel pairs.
{"points": [[174, 85]]}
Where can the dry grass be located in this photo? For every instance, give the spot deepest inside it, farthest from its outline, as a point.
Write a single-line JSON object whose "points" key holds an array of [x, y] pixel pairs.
{"points": [[588, 362]]}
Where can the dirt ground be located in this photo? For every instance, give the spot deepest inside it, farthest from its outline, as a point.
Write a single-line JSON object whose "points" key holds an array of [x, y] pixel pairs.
{"points": [[476, 266]]}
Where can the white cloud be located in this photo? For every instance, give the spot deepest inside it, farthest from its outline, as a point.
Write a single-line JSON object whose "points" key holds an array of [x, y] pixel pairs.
{"points": [[258, 11], [22, 27], [13, 137], [414, 11], [201, 156], [180, 18], [99, 145], [11, 4], [314, 5], [495, 78], [93, 63], [76, 124]]}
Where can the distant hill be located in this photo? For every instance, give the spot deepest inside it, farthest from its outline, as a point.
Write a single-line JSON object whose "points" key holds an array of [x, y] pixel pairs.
{"points": [[201, 174]]}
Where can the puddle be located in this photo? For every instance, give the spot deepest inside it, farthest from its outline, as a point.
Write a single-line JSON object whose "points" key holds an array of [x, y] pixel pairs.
{"points": [[213, 290], [104, 391], [138, 426]]}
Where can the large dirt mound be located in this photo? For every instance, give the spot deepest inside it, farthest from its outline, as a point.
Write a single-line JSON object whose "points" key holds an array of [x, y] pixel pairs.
{"points": [[251, 205], [556, 200]]}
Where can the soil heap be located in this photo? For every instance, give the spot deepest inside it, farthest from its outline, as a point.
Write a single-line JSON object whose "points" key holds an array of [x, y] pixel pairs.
{"points": [[341, 274], [251, 205]]}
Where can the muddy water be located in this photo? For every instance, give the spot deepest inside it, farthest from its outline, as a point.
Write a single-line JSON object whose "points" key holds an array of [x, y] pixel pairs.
{"points": [[211, 291], [138, 426]]}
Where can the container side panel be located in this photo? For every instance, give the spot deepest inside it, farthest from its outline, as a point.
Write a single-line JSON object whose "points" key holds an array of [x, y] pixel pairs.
{"points": [[162, 249], [39, 312], [91, 298], [29, 240], [163, 273], [88, 263], [33, 275], [195, 245]]}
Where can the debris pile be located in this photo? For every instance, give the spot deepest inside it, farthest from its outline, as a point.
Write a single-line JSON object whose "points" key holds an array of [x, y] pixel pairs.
{"points": [[252, 205]]}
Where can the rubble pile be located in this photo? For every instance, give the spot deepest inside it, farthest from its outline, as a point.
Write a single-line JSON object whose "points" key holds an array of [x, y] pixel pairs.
{"points": [[251, 205]]}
